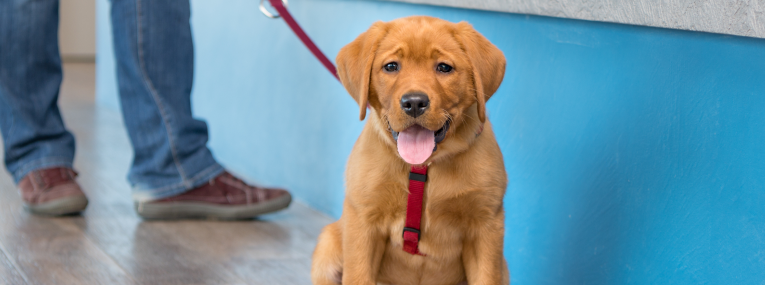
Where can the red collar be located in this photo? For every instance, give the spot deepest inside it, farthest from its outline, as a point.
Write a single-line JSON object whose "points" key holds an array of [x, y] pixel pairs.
{"points": [[417, 177], [479, 130]]}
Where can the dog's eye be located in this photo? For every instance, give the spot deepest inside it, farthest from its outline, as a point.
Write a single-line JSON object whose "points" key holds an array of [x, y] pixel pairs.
{"points": [[443, 67], [391, 67]]}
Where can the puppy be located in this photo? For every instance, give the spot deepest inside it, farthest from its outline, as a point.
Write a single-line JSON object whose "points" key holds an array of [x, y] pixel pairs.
{"points": [[426, 82]]}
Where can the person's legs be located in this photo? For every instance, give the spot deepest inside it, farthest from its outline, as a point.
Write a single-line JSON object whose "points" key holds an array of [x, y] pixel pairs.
{"points": [[38, 149], [33, 133], [174, 174], [155, 66]]}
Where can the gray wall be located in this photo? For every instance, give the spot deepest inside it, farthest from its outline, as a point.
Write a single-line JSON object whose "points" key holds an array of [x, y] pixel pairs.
{"points": [[77, 30], [734, 17]]}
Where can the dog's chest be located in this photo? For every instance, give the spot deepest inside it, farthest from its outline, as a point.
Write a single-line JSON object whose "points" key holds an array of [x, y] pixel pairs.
{"points": [[445, 218], [441, 231], [441, 246]]}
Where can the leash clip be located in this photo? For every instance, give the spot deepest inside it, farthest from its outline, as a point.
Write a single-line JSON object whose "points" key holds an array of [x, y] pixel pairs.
{"points": [[268, 14], [416, 231], [418, 177]]}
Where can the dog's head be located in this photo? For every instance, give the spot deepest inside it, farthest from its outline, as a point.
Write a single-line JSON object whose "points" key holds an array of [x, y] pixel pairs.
{"points": [[427, 80]]}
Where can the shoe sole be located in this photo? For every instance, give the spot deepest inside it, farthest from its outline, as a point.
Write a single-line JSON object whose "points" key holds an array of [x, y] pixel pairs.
{"points": [[59, 207], [192, 210]]}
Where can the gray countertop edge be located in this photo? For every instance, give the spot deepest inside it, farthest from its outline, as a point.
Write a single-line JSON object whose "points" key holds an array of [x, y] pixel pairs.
{"points": [[733, 17]]}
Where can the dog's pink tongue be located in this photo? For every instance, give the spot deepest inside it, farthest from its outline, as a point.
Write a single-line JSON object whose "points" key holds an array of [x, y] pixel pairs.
{"points": [[416, 144]]}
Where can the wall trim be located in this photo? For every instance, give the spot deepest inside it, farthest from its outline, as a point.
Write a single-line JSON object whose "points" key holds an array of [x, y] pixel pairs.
{"points": [[733, 17]]}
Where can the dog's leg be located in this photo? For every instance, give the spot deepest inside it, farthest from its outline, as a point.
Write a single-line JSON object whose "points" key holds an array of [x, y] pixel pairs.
{"points": [[326, 267], [363, 248], [482, 253]]}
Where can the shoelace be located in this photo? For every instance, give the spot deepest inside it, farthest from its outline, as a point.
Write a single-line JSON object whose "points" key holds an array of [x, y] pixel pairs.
{"points": [[48, 178], [248, 190]]}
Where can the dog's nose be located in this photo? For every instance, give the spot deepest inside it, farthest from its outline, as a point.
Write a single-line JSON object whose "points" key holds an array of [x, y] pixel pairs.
{"points": [[415, 104]]}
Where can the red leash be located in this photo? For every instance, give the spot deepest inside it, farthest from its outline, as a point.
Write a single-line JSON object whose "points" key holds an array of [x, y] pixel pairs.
{"points": [[303, 37], [417, 178], [417, 175]]}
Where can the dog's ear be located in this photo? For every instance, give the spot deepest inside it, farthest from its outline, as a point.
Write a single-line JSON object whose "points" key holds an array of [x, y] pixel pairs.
{"points": [[354, 64], [486, 61]]}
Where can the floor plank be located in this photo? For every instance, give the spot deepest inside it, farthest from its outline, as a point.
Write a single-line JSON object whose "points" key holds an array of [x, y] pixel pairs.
{"points": [[9, 274], [52, 250], [110, 244]]}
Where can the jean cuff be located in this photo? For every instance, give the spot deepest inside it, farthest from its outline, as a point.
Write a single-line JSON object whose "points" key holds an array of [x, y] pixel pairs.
{"points": [[41, 163], [146, 195]]}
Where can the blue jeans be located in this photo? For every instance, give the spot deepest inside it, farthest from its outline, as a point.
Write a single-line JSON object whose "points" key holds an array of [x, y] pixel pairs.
{"points": [[155, 65]]}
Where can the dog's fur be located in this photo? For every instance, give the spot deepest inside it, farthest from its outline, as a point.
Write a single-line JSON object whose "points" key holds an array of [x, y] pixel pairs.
{"points": [[463, 216]]}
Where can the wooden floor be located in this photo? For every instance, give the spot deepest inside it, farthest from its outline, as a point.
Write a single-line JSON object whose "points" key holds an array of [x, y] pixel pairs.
{"points": [[109, 244]]}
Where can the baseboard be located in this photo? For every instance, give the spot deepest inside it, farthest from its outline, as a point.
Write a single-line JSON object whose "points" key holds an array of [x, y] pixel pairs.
{"points": [[78, 58]]}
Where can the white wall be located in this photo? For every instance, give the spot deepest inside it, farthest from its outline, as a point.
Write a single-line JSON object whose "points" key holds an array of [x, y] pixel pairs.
{"points": [[77, 30]]}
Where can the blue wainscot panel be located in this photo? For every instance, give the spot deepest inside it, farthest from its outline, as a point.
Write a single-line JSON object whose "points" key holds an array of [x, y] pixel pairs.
{"points": [[635, 155]]}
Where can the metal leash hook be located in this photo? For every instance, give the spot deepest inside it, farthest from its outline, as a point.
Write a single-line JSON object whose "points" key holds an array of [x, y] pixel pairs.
{"points": [[285, 14], [268, 14]]}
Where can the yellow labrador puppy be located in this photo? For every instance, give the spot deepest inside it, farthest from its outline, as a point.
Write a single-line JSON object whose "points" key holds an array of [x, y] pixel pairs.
{"points": [[425, 180]]}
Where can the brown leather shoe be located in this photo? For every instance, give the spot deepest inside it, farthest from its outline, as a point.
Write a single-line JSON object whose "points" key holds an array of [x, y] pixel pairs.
{"points": [[223, 197], [52, 191]]}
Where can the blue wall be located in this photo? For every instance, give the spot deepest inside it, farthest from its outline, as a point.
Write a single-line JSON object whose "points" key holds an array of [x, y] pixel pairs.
{"points": [[635, 155]]}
